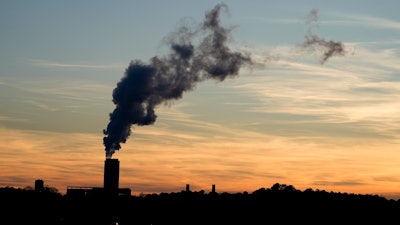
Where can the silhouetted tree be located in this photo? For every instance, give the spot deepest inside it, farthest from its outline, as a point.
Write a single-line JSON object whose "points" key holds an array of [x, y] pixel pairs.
{"points": [[280, 203]]}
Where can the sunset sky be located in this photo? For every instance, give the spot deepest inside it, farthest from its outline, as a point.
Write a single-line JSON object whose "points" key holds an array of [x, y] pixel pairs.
{"points": [[289, 118]]}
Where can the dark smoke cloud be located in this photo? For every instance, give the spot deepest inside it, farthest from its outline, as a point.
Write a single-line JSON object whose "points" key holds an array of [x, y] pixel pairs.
{"points": [[147, 85], [314, 43]]}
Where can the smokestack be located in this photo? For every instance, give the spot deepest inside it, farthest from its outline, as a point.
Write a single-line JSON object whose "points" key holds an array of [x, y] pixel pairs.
{"points": [[111, 176]]}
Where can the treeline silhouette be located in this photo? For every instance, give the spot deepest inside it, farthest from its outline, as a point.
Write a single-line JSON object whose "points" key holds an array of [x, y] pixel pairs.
{"points": [[280, 203]]}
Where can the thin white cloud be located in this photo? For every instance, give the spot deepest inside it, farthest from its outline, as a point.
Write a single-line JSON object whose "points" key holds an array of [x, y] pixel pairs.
{"points": [[53, 64], [339, 18], [358, 88], [42, 106], [81, 89], [273, 20], [364, 20], [11, 119]]}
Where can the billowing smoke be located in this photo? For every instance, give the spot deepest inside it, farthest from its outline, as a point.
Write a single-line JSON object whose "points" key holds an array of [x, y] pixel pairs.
{"points": [[314, 43], [147, 85]]}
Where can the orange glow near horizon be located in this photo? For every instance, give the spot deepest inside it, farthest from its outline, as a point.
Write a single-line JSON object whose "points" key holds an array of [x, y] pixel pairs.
{"points": [[234, 165]]}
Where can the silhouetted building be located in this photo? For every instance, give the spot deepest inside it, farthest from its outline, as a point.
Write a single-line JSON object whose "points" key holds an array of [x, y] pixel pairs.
{"points": [[213, 188], [187, 188], [111, 176], [76, 191], [110, 185], [39, 185]]}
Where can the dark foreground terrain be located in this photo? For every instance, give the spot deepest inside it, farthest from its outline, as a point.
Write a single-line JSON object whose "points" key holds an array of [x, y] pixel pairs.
{"points": [[280, 204]]}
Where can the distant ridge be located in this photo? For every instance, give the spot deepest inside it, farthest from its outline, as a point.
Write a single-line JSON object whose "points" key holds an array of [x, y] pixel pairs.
{"points": [[282, 203]]}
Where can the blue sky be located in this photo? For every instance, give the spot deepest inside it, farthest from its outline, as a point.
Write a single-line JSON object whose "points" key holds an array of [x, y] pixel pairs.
{"points": [[288, 119]]}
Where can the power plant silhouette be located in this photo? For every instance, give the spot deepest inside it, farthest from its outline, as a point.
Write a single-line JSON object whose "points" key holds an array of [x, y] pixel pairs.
{"points": [[110, 186]]}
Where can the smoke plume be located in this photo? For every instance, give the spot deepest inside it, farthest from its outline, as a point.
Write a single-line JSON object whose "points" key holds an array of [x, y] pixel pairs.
{"points": [[147, 85], [314, 43]]}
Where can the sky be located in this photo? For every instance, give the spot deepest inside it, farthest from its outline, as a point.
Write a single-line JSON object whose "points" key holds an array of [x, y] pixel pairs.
{"points": [[286, 114]]}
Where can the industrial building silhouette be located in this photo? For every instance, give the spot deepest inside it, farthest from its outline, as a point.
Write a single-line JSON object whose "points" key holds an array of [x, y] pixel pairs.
{"points": [[110, 186]]}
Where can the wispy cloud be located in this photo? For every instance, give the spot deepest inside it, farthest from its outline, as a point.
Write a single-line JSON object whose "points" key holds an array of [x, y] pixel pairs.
{"points": [[360, 88], [364, 20], [77, 88], [53, 64], [13, 119], [336, 18]]}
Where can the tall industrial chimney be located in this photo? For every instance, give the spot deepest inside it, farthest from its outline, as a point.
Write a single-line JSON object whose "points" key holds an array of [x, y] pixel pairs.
{"points": [[111, 176]]}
